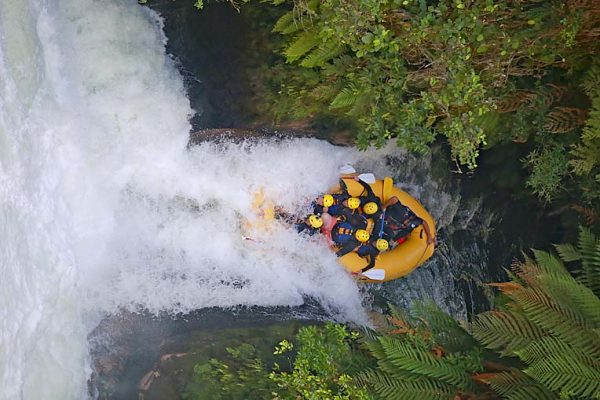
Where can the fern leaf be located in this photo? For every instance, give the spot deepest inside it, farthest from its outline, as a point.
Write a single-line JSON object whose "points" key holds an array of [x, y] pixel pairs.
{"points": [[562, 372], [323, 53], [419, 361], [448, 332], [564, 119], [515, 100], [515, 385], [591, 82], [540, 309], [567, 252], [549, 264], [572, 295], [589, 248], [345, 98], [286, 24], [392, 388], [586, 154], [550, 346], [302, 45], [505, 331]]}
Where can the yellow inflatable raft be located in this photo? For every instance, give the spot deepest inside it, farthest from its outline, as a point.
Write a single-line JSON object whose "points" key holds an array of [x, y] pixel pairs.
{"points": [[407, 256], [395, 263]]}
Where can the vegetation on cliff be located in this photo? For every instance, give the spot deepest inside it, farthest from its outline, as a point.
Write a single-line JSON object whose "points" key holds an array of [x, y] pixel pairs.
{"points": [[477, 73]]}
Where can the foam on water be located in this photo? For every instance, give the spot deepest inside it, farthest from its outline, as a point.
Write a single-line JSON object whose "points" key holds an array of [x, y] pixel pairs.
{"points": [[103, 208]]}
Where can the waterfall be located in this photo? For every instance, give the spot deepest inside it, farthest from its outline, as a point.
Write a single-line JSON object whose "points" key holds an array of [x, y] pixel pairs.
{"points": [[102, 207]]}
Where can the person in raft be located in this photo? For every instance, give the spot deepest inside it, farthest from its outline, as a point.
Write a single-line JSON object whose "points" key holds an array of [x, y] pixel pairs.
{"points": [[400, 221], [370, 204], [331, 203]]}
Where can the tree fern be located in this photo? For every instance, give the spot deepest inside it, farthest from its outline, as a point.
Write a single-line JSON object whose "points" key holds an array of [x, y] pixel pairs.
{"points": [[515, 385], [393, 388], [505, 331], [572, 295], [322, 53], [302, 45], [564, 373], [345, 98], [591, 81], [446, 329], [589, 248], [420, 361], [588, 252], [550, 346], [539, 308], [586, 154], [547, 263], [286, 24]]}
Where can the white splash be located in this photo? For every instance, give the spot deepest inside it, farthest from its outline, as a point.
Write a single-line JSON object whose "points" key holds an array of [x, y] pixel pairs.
{"points": [[102, 206]]}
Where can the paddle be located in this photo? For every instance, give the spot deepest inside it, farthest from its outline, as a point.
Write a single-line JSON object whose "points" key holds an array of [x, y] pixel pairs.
{"points": [[374, 274], [347, 169], [367, 178]]}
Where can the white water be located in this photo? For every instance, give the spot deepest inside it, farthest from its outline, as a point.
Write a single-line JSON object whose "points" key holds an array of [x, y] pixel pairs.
{"points": [[99, 197]]}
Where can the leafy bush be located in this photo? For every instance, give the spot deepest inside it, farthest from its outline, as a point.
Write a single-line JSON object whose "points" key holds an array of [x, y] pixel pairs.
{"points": [[412, 70]]}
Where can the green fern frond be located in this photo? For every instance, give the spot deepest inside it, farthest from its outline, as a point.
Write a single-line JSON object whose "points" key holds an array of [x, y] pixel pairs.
{"points": [[323, 53], [345, 98], [419, 361], [562, 372], [567, 252], [572, 295], [505, 331], [589, 248], [515, 385], [361, 105], [591, 81], [551, 346], [392, 388], [540, 309], [586, 154], [448, 332], [549, 263], [286, 24], [302, 45]]}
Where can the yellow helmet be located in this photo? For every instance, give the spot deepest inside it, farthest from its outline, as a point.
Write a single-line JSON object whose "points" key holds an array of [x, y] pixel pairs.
{"points": [[327, 200], [315, 221], [353, 203], [370, 208], [382, 244], [361, 235]]}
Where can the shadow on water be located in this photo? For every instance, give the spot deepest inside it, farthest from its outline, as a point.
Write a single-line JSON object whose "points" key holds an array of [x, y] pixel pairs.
{"points": [[131, 351]]}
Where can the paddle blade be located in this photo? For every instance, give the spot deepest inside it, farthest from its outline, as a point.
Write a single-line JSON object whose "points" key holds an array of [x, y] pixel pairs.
{"points": [[347, 169], [375, 274], [367, 178]]}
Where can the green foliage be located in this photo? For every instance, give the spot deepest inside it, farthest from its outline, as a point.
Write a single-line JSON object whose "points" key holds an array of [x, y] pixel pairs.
{"points": [[413, 70], [552, 328], [588, 253], [320, 369], [515, 385], [242, 376], [585, 161], [413, 361], [321, 359], [548, 168]]}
